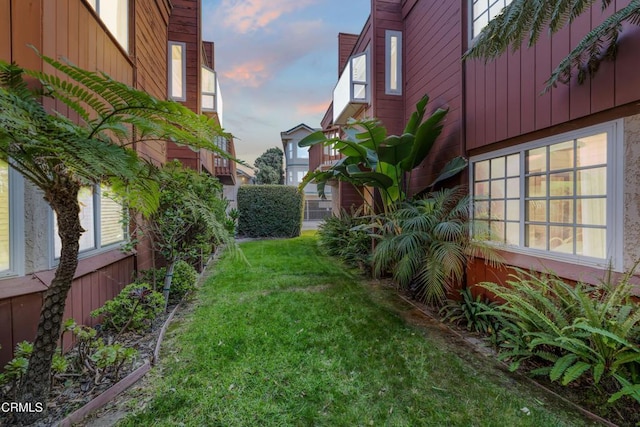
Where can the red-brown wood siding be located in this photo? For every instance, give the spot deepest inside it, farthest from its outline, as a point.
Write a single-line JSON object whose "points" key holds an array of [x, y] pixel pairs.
{"points": [[432, 50], [522, 75], [346, 43]]}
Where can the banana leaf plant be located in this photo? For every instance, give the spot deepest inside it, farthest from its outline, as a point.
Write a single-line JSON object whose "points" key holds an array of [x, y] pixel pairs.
{"points": [[371, 158]]}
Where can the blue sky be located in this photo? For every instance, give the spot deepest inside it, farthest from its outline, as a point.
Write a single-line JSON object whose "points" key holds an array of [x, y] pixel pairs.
{"points": [[277, 61]]}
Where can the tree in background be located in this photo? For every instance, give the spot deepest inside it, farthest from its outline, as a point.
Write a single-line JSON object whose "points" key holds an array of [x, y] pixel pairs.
{"points": [[525, 19], [60, 156], [269, 166]]}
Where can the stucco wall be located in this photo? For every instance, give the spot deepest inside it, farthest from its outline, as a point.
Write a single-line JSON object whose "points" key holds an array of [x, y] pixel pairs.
{"points": [[631, 190]]}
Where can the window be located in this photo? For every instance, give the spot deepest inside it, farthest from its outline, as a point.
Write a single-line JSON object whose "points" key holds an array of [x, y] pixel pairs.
{"points": [[177, 71], [11, 222], [290, 177], [300, 176], [223, 144], [303, 153], [208, 77], [115, 15], [556, 197], [290, 150], [102, 218], [483, 11], [393, 61], [359, 77]]}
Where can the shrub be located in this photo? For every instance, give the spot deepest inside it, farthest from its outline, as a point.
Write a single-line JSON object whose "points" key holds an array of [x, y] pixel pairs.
{"points": [[340, 237], [269, 211], [580, 331], [184, 279], [134, 308], [472, 313]]}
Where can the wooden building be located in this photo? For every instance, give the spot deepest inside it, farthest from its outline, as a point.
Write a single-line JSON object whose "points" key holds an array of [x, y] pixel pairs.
{"points": [[127, 39], [555, 175]]}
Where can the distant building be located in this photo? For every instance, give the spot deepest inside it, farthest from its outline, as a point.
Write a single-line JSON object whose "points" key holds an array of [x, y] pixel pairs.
{"points": [[297, 166]]}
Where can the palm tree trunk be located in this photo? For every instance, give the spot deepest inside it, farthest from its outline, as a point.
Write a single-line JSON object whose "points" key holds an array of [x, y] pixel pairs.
{"points": [[36, 382]]}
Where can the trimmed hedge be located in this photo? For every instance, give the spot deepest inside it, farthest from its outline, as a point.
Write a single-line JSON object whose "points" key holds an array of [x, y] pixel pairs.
{"points": [[270, 211]]}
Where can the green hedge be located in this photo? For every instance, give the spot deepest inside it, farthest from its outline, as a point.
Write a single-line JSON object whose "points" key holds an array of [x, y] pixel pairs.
{"points": [[269, 211]]}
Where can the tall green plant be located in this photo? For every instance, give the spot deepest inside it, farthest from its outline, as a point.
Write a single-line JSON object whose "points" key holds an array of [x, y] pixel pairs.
{"points": [[59, 156], [581, 330], [373, 159], [426, 244]]}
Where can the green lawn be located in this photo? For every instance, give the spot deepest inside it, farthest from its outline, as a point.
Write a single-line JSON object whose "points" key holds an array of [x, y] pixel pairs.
{"points": [[295, 339]]}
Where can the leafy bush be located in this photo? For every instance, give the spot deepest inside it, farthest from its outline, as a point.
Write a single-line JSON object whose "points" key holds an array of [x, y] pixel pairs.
{"points": [[269, 211], [183, 282], [134, 308], [581, 331], [426, 244], [340, 236]]}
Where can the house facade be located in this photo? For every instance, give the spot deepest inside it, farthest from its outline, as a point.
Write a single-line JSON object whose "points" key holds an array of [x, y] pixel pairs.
{"points": [[553, 174], [128, 40]]}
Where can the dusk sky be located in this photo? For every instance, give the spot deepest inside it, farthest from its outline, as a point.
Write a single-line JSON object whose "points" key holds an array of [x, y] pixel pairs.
{"points": [[277, 63]]}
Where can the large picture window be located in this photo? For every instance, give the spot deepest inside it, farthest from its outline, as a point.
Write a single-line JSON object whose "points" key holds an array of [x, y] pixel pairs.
{"points": [[102, 218], [115, 15], [556, 196]]}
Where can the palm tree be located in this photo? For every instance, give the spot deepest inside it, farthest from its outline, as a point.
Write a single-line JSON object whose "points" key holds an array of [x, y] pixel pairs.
{"points": [[59, 156], [523, 19]]}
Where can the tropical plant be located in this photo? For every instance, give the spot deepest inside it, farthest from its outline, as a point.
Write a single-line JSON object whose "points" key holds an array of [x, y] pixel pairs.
{"points": [[472, 313], [582, 330], [426, 244], [59, 156], [522, 19], [183, 281], [342, 237], [133, 309], [269, 166], [373, 159]]}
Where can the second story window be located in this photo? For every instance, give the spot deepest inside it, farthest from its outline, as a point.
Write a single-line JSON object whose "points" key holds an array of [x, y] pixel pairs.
{"points": [[359, 77], [483, 11], [177, 71], [393, 62], [115, 15], [208, 77]]}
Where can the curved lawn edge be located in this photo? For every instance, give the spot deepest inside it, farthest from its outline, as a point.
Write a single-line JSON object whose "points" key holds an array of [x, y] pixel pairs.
{"points": [[106, 396], [476, 348]]}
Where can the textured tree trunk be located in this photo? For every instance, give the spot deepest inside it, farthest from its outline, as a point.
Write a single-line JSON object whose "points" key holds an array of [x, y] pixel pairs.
{"points": [[168, 278], [36, 382]]}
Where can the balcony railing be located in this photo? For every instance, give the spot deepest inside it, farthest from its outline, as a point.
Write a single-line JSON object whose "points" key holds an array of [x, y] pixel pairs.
{"points": [[352, 90]]}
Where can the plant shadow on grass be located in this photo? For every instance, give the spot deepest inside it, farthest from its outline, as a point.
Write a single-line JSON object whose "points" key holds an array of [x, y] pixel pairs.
{"points": [[324, 347]]}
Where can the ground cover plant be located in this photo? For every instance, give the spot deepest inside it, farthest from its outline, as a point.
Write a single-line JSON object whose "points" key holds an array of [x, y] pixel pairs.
{"points": [[296, 339]]}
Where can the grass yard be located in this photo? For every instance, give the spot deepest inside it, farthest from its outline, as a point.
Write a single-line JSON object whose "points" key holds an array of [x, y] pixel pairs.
{"points": [[295, 339]]}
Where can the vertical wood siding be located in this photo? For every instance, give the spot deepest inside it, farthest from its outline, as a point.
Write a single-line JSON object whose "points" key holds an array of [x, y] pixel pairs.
{"points": [[432, 50], [505, 100]]}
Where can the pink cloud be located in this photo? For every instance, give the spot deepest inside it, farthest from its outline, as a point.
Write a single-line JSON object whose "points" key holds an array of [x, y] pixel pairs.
{"points": [[249, 15], [252, 73], [312, 108]]}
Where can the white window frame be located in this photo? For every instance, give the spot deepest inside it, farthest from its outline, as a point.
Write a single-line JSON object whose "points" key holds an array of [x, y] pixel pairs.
{"points": [[390, 63], [365, 82], [97, 233], [97, 7], [472, 18], [170, 71], [213, 94], [16, 226], [614, 194]]}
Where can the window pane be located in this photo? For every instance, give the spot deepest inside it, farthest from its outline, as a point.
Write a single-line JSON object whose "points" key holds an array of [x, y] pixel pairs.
{"points": [[537, 160], [513, 165], [87, 239], [561, 184], [513, 233], [561, 239], [303, 153], [111, 217], [393, 63], [591, 211], [592, 182], [537, 210], [497, 189], [592, 150], [561, 211], [115, 15], [208, 80], [497, 210], [481, 210], [480, 22], [513, 187], [481, 190], [497, 231], [537, 186], [481, 170], [208, 102], [561, 156], [5, 240], [591, 242], [497, 167], [536, 236], [177, 78], [513, 210], [359, 91], [359, 68]]}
